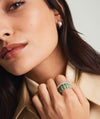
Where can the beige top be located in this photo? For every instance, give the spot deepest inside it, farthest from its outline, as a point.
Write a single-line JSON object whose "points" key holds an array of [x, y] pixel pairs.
{"points": [[89, 83]]}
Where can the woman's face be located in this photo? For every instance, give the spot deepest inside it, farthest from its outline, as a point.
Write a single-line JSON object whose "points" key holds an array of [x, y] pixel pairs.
{"points": [[31, 22]]}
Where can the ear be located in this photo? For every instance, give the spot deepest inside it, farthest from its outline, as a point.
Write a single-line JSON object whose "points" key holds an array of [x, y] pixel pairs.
{"points": [[57, 17]]}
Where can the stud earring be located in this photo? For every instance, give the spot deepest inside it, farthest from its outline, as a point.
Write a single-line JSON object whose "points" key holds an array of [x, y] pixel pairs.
{"points": [[59, 24]]}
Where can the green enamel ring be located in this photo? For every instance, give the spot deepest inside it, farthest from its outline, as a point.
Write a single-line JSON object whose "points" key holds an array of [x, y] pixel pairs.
{"points": [[63, 86]]}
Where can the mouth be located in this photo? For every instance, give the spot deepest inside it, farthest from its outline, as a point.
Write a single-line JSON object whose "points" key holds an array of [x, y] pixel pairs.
{"points": [[11, 50]]}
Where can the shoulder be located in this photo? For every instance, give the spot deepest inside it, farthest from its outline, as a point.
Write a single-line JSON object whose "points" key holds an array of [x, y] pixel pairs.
{"points": [[88, 82], [90, 85]]}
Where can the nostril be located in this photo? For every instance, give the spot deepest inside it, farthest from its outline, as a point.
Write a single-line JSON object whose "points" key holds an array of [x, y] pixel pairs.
{"points": [[7, 34]]}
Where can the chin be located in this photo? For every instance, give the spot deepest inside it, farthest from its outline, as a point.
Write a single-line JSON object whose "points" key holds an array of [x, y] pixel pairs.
{"points": [[17, 72]]}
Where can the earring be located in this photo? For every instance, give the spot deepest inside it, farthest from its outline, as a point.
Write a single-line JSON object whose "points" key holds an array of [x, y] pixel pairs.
{"points": [[59, 24]]}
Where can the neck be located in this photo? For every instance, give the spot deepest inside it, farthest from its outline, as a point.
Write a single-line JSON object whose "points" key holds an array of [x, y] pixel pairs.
{"points": [[52, 66]]}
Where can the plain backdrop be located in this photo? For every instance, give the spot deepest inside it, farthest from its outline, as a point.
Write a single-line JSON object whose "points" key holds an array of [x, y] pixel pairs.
{"points": [[86, 17]]}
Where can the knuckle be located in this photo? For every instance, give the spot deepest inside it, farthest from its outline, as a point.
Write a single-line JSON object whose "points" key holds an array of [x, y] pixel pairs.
{"points": [[49, 81], [69, 95], [34, 98], [41, 89], [55, 99], [60, 76], [41, 86], [59, 79], [66, 92]]}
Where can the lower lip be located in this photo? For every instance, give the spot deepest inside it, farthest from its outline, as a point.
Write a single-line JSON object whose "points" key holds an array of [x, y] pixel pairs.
{"points": [[13, 52]]}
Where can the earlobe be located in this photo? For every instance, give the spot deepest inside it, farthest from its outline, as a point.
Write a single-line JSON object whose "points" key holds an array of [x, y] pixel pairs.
{"points": [[58, 19]]}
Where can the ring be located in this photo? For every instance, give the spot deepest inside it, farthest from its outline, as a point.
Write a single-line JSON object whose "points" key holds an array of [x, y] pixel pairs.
{"points": [[63, 86]]}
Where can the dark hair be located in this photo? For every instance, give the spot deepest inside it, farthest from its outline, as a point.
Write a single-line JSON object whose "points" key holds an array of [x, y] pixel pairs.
{"points": [[78, 52]]}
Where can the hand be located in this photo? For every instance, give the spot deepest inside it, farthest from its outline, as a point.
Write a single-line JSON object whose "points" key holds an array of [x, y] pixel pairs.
{"points": [[50, 104]]}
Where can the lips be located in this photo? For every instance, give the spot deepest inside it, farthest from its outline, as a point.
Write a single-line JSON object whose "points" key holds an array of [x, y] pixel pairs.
{"points": [[10, 47]]}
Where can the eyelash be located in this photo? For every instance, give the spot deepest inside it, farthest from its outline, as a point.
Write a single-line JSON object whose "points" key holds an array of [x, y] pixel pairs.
{"points": [[16, 5]]}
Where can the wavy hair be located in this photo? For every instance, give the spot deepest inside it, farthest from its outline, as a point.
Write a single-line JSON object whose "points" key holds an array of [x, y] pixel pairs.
{"points": [[76, 50]]}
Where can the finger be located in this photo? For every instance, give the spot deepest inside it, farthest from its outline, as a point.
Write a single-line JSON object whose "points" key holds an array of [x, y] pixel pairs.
{"points": [[44, 95], [80, 95], [60, 79], [52, 89], [37, 103], [68, 93]]}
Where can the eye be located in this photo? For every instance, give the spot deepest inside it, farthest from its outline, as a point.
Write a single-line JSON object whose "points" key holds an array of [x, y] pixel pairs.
{"points": [[15, 5]]}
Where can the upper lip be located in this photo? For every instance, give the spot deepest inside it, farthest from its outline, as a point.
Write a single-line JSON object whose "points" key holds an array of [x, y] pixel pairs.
{"points": [[10, 47]]}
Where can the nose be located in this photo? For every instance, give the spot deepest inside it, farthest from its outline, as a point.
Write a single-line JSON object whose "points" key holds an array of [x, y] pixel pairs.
{"points": [[5, 33], [6, 30], [5, 27], [4, 36]]}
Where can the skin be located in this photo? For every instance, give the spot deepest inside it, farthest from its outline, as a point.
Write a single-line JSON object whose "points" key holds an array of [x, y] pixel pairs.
{"points": [[34, 23]]}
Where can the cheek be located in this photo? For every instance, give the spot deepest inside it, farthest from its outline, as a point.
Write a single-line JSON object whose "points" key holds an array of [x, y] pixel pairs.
{"points": [[41, 31], [39, 24]]}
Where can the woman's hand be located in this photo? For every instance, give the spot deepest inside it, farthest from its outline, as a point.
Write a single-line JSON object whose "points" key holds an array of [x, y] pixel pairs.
{"points": [[50, 104]]}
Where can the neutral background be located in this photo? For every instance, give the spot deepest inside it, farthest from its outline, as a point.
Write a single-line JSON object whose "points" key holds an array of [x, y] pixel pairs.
{"points": [[86, 17]]}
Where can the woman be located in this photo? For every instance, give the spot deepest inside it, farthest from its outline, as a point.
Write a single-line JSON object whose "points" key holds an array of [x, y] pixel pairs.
{"points": [[39, 45]]}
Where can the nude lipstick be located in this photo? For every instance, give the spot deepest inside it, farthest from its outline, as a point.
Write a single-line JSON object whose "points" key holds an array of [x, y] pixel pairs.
{"points": [[11, 50]]}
